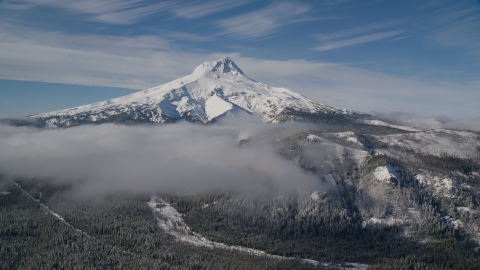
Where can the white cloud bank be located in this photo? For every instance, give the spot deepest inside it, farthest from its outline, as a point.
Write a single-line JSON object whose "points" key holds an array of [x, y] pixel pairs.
{"points": [[105, 159], [433, 122]]}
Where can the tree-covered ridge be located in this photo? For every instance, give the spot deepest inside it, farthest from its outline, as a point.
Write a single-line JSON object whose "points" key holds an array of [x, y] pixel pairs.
{"points": [[385, 205]]}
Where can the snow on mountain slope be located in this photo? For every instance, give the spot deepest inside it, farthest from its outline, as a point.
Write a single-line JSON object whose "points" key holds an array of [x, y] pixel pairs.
{"points": [[436, 142], [382, 123], [214, 89]]}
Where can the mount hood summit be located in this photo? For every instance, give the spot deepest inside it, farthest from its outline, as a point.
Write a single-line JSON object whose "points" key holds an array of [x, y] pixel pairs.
{"points": [[213, 90]]}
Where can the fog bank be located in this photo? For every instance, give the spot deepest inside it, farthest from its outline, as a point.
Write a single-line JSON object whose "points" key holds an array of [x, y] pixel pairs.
{"points": [[103, 159], [409, 119]]}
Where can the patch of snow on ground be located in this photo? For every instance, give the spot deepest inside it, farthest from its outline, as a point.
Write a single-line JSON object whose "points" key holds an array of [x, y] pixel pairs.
{"points": [[353, 140], [441, 184], [313, 137], [315, 196], [171, 221], [445, 183], [389, 221], [386, 173], [352, 266], [348, 136]]}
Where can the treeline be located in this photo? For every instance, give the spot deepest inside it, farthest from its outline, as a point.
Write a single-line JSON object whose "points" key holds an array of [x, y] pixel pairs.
{"points": [[124, 235], [303, 228]]}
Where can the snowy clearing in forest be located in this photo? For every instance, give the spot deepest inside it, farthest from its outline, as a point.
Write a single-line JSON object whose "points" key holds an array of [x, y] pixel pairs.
{"points": [[171, 221]]}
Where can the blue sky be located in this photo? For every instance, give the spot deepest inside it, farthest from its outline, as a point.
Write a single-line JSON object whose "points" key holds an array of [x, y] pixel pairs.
{"points": [[420, 57]]}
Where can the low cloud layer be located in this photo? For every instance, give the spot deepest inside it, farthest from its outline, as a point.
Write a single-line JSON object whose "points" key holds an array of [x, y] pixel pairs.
{"points": [[104, 159], [409, 119]]}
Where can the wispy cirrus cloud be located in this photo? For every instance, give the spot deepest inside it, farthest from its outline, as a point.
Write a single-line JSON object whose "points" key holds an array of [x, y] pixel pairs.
{"points": [[263, 22], [358, 35], [107, 11], [198, 9], [132, 14], [358, 40], [187, 36], [141, 62], [455, 24], [121, 45], [335, 2], [360, 30], [130, 11], [23, 4]]}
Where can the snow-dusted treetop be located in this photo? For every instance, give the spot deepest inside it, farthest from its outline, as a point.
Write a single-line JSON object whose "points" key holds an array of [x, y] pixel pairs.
{"points": [[213, 90]]}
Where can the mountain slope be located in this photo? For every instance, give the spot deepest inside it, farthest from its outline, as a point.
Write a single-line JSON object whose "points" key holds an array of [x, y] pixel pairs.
{"points": [[213, 90]]}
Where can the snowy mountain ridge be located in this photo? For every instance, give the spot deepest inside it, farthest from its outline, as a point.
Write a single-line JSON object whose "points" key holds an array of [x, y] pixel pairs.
{"points": [[213, 90]]}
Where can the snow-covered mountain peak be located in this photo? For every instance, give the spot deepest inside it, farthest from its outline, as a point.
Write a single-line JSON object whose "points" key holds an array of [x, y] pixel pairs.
{"points": [[219, 68], [213, 90]]}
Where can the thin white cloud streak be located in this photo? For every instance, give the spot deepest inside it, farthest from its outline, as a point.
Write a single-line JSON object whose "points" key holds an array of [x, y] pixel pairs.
{"points": [[198, 9], [133, 15], [107, 11], [453, 13], [400, 38], [23, 4], [128, 62], [130, 11], [454, 24], [143, 62], [112, 44], [187, 36], [358, 40], [105, 159], [360, 30], [335, 2], [263, 22]]}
